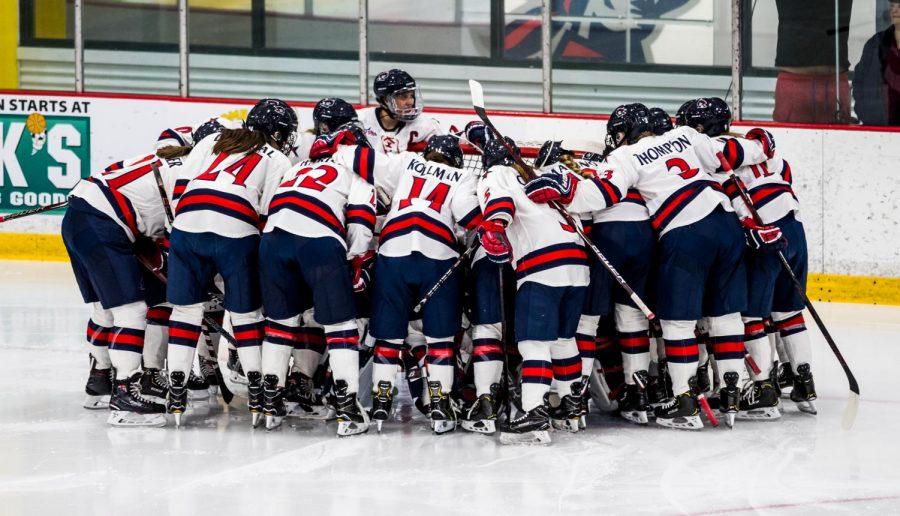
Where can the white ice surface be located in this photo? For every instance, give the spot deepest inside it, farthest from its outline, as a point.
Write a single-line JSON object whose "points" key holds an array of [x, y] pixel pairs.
{"points": [[60, 459]]}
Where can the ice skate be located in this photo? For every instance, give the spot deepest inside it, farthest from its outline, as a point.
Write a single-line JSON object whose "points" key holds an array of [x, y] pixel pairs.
{"points": [[443, 412], [273, 402], [703, 377], [154, 385], [352, 418], [301, 400], [255, 397], [565, 415], [176, 402], [382, 400], [129, 408], [208, 372], [481, 416], [730, 398], [581, 390], [681, 412], [633, 404], [198, 387], [98, 387], [804, 391], [759, 402], [235, 370], [528, 428], [785, 379]]}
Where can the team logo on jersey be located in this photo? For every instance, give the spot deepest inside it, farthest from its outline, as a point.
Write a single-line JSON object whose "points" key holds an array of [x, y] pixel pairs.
{"points": [[42, 155], [389, 144]]}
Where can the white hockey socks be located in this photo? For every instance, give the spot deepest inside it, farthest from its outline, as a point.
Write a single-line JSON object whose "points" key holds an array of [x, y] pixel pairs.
{"points": [[342, 340], [681, 352], [99, 332], [537, 371], [487, 356], [566, 365], [386, 361], [280, 337], [184, 332], [586, 340], [156, 338], [634, 340], [248, 332], [440, 360], [792, 330], [726, 333], [757, 343], [309, 349], [127, 341]]}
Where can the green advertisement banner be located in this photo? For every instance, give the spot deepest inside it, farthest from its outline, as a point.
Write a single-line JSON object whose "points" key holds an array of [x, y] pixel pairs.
{"points": [[42, 157]]}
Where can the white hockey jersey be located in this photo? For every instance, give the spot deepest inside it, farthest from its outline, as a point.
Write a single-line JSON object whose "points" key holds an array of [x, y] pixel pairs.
{"points": [[673, 173], [399, 139], [428, 201], [226, 194], [768, 181], [127, 192], [325, 198], [630, 208], [545, 248]]}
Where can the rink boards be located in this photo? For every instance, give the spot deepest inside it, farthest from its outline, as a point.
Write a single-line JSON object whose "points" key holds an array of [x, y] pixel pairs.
{"points": [[847, 179]]}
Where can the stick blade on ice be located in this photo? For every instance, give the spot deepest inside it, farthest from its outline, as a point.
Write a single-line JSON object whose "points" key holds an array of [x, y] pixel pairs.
{"points": [[477, 93], [850, 412]]}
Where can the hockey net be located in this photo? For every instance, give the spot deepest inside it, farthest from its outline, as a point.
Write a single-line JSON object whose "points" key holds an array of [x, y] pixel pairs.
{"points": [[472, 156]]}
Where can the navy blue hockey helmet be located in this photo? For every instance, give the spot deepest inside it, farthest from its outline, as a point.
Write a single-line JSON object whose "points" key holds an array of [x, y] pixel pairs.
{"points": [[550, 152], [331, 113], [495, 153], [660, 122], [446, 146], [631, 120], [205, 129], [711, 116], [276, 119], [391, 83], [681, 114]]}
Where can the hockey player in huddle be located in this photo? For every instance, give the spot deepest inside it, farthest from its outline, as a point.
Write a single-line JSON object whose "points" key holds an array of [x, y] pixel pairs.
{"points": [[487, 280], [397, 122], [321, 216], [109, 231], [624, 234], [222, 196], [701, 246], [771, 291], [431, 194], [552, 275]]}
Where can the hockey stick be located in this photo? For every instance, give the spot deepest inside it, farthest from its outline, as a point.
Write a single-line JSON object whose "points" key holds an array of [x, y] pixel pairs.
{"points": [[528, 174], [443, 279], [34, 211], [853, 400], [227, 395]]}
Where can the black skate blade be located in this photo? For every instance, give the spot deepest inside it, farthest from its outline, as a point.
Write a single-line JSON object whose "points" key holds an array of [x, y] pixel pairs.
{"points": [[526, 438]]}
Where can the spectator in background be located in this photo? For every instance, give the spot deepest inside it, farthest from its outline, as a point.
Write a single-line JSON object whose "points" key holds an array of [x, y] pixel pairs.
{"points": [[804, 57], [876, 80]]}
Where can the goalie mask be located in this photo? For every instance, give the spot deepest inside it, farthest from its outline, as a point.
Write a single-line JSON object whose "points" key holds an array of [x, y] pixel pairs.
{"points": [[398, 93]]}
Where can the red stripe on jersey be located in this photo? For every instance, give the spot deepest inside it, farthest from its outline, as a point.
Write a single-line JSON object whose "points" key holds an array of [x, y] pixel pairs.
{"points": [[398, 225], [240, 207], [561, 254]]}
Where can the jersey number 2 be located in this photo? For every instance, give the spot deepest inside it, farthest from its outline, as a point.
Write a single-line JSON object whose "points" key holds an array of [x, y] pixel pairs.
{"points": [[316, 182], [686, 172], [437, 196]]}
